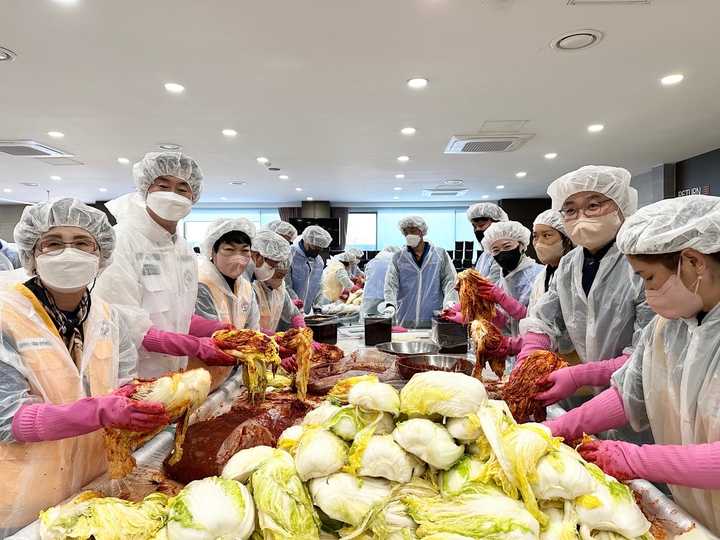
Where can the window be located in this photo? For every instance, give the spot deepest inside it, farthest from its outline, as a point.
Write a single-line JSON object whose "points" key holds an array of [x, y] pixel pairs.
{"points": [[194, 227], [362, 231]]}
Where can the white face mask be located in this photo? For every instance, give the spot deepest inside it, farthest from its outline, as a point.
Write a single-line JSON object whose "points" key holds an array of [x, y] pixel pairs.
{"points": [[593, 232], [264, 272], [68, 272], [548, 253], [170, 206], [412, 240]]}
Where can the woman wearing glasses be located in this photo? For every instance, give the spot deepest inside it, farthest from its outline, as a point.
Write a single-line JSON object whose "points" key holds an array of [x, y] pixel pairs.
{"points": [[61, 350], [596, 300]]}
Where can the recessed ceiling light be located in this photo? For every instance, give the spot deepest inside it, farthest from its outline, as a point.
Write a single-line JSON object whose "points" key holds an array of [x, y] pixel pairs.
{"points": [[403, 158], [672, 79], [399, 176], [485, 197], [453, 182], [229, 132], [576, 40], [408, 131], [283, 177], [123, 160], [397, 188], [6, 190], [499, 187], [521, 174], [396, 197], [551, 155], [595, 128], [223, 198], [30, 184], [6, 55], [262, 160], [417, 82], [174, 88], [298, 189], [56, 134], [309, 199], [56, 178], [237, 183], [169, 146], [102, 189]]}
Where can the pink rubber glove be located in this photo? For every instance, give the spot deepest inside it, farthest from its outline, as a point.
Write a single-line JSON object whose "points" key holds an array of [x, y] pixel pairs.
{"points": [[355, 288], [289, 364], [398, 329], [298, 321], [532, 342], [353, 279], [508, 347], [46, 422], [205, 348], [202, 327], [567, 380], [316, 346], [604, 411], [284, 352], [499, 319], [449, 314], [492, 292], [267, 332], [298, 303], [694, 465]]}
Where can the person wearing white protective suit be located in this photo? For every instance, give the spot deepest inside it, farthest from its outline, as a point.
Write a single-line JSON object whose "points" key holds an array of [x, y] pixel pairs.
{"points": [[9, 251], [223, 294], [154, 275], [481, 216], [304, 281], [670, 383], [596, 298], [277, 312], [284, 229], [62, 349], [5, 263], [420, 278], [337, 284], [375, 271], [354, 272]]}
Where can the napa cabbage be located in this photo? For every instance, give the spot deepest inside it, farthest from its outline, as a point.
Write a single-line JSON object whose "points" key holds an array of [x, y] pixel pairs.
{"points": [[429, 441], [375, 396], [438, 392]]}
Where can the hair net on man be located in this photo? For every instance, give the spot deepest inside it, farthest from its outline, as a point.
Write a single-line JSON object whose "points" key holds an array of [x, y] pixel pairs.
{"points": [[271, 245], [486, 210], [673, 225], [551, 218], [220, 227], [614, 182], [317, 236], [282, 227], [177, 164], [61, 212], [345, 257], [413, 221], [357, 253], [284, 264], [391, 248], [505, 230]]}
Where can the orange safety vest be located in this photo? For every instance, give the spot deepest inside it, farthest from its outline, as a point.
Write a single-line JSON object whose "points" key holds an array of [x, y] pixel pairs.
{"points": [[36, 476]]}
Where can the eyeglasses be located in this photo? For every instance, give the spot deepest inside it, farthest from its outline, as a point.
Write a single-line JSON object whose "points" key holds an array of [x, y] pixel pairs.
{"points": [[589, 210], [58, 246]]}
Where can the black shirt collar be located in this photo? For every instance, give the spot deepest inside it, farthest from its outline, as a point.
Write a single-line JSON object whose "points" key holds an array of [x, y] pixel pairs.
{"points": [[597, 257]]}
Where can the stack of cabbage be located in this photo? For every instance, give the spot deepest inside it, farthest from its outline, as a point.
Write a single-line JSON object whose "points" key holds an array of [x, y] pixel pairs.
{"points": [[438, 460]]}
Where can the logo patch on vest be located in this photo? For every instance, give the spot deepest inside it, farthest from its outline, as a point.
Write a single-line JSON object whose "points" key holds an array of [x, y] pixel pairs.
{"points": [[33, 344]]}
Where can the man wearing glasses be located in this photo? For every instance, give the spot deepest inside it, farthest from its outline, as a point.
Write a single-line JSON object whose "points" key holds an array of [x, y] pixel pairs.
{"points": [[596, 299]]}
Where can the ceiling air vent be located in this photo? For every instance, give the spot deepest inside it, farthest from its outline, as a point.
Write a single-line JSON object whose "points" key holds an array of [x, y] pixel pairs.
{"points": [[443, 192], [487, 142], [32, 149]]}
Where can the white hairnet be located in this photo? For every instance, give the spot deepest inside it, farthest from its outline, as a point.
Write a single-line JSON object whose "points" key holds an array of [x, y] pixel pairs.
{"points": [[391, 248], [551, 218], [282, 227], [672, 225], [317, 236], [357, 253], [222, 226], [486, 210], [284, 264], [505, 229], [345, 257], [177, 164], [611, 181], [61, 212], [413, 221], [271, 245]]}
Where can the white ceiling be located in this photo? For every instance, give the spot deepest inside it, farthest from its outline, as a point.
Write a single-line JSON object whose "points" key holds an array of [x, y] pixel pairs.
{"points": [[318, 87]]}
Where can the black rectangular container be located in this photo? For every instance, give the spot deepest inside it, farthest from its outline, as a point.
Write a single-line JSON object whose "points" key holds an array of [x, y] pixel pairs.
{"points": [[378, 330], [324, 328]]}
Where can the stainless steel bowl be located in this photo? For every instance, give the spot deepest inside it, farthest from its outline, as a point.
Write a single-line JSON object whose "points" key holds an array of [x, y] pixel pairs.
{"points": [[408, 348], [410, 365]]}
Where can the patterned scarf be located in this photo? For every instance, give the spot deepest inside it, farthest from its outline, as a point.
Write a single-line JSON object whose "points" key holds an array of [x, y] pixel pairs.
{"points": [[69, 326]]}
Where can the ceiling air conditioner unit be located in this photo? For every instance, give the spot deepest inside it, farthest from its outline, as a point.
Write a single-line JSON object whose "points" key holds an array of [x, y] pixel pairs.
{"points": [[444, 192], [33, 149], [487, 142]]}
